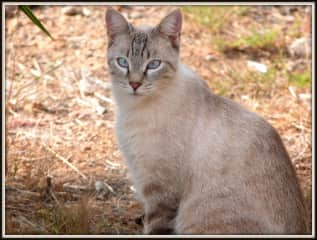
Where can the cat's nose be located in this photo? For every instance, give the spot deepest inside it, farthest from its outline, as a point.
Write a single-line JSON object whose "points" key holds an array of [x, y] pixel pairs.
{"points": [[135, 85]]}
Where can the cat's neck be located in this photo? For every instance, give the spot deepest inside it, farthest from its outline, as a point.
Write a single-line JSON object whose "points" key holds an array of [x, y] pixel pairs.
{"points": [[184, 72]]}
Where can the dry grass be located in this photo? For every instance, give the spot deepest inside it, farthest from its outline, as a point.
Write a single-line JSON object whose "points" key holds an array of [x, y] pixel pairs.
{"points": [[59, 110]]}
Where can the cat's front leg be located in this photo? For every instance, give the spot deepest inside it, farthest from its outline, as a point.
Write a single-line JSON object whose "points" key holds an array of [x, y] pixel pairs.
{"points": [[160, 221], [160, 210]]}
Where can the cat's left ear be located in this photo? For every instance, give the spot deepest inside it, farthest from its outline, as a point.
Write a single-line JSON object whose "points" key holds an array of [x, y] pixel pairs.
{"points": [[115, 24], [171, 27]]}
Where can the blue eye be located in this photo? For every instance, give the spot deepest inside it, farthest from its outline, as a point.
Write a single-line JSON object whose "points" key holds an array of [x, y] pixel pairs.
{"points": [[154, 64], [122, 62]]}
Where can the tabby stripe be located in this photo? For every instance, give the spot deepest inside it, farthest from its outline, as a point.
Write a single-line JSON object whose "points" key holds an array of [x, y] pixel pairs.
{"points": [[143, 45]]}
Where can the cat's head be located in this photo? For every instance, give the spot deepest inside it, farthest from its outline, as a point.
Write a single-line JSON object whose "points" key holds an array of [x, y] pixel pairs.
{"points": [[142, 61]]}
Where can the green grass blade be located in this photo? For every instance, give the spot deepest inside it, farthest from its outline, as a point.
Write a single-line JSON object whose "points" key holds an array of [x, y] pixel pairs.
{"points": [[34, 19]]}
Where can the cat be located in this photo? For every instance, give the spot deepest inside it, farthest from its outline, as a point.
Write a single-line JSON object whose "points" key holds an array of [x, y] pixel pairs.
{"points": [[200, 163]]}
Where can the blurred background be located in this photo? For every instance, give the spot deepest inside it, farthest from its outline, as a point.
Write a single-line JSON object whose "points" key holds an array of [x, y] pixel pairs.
{"points": [[65, 174]]}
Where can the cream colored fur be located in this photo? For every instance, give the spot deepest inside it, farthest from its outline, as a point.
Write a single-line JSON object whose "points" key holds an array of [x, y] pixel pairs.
{"points": [[204, 152], [202, 164]]}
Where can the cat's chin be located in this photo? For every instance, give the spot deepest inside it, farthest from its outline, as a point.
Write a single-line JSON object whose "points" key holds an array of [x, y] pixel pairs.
{"points": [[136, 94]]}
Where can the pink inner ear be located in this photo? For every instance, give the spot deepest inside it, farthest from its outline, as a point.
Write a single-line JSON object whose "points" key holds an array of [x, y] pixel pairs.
{"points": [[115, 23], [171, 26], [109, 25], [178, 24]]}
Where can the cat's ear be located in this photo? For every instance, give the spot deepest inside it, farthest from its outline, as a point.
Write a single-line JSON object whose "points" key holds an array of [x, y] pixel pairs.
{"points": [[116, 24], [171, 27]]}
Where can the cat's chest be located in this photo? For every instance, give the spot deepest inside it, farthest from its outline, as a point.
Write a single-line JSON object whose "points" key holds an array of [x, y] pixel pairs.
{"points": [[151, 136], [138, 135]]}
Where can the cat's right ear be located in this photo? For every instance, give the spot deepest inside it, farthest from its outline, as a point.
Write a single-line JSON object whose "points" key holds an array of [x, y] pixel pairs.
{"points": [[116, 24], [171, 27]]}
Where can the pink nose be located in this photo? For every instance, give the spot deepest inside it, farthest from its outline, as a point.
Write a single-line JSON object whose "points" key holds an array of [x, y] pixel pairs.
{"points": [[135, 85]]}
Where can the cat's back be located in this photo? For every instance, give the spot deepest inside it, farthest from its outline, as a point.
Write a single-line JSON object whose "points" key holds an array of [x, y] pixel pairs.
{"points": [[229, 118], [245, 154]]}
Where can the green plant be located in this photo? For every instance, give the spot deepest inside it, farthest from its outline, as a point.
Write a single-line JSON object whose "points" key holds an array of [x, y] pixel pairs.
{"points": [[254, 40], [214, 17], [300, 79], [28, 12], [66, 219]]}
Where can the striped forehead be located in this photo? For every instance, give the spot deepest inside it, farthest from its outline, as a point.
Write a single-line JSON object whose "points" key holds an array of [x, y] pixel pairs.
{"points": [[138, 45]]}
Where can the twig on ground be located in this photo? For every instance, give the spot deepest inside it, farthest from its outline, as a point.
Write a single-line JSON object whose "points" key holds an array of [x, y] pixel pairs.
{"points": [[74, 188], [49, 189], [21, 209], [64, 160], [32, 159], [103, 98], [109, 187], [33, 194]]}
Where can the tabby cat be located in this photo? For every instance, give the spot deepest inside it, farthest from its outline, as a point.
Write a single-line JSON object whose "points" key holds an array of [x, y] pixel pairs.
{"points": [[200, 163]]}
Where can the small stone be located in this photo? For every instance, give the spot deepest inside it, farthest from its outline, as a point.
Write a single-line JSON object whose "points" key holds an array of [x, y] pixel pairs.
{"points": [[100, 186], [300, 47], [210, 57], [259, 67], [245, 97], [305, 97], [101, 110], [86, 12], [102, 190]]}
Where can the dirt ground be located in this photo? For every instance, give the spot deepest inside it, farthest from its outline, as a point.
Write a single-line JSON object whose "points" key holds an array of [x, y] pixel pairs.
{"points": [[65, 174]]}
